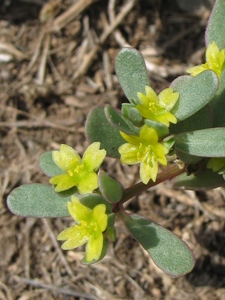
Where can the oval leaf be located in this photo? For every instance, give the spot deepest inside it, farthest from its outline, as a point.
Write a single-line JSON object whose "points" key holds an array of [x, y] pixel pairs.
{"points": [[217, 105], [131, 72], [98, 129], [111, 230], [180, 82], [117, 121], [48, 165], [187, 158], [200, 120], [204, 143], [91, 200], [167, 251], [215, 30], [111, 189], [37, 200], [205, 180], [195, 93]]}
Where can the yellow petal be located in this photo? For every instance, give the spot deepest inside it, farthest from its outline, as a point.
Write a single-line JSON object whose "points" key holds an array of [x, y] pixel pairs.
{"points": [[100, 216], [63, 182], [148, 171], [94, 247], [212, 52], [167, 98], [128, 154], [88, 183], [66, 158], [78, 211], [75, 236], [151, 94], [93, 157], [132, 139], [148, 135], [194, 71]]}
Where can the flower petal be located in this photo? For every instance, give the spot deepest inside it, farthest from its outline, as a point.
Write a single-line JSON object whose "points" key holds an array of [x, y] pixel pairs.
{"points": [[94, 247], [148, 170], [150, 96], [64, 182], [75, 236], [66, 158], [100, 216], [167, 118], [212, 52], [148, 135], [194, 71], [160, 152], [132, 139], [93, 157], [215, 61], [78, 211], [145, 112], [128, 154], [167, 98], [88, 183]]}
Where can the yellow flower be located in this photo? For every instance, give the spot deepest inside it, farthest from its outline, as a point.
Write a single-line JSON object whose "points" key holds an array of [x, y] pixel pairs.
{"points": [[76, 171], [215, 61], [157, 108], [89, 228], [146, 150]]}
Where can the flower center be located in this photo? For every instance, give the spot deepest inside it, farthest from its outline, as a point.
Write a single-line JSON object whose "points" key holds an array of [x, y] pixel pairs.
{"points": [[77, 170], [152, 106], [143, 151], [90, 227]]}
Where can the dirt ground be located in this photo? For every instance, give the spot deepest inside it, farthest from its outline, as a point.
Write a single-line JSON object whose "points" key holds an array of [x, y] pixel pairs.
{"points": [[57, 62]]}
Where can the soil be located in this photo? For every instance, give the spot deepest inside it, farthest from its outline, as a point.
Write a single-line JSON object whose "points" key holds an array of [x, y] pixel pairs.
{"points": [[56, 63]]}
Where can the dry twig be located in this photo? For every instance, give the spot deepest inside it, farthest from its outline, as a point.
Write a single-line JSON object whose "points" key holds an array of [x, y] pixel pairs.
{"points": [[70, 14], [108, 30], [58, 249], [65, 291], [42, 66]]}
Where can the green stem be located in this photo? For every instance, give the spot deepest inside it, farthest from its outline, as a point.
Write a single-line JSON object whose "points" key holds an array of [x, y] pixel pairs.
{"points": [[169, 173]]}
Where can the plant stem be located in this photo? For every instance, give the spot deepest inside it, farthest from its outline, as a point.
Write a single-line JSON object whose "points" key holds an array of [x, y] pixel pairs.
{"points": [[169, 173]]}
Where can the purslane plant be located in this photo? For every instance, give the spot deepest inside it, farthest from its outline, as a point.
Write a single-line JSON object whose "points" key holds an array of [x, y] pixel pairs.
{"points": [[177, 134]]}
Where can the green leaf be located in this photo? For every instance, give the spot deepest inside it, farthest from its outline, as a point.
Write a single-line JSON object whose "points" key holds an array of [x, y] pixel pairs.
{"points": [[37, 200], [215, 30], [111, 230], [117, 121], [98, 129], [217, 104], [187, 158], [91, 200], [70, 192], [110, 189], [200, 120], [135, 116], [48, 165], [167, 251], [195, 93], [207, 179], [180, 82], [131, 72], [204, 143], [161, 129]]}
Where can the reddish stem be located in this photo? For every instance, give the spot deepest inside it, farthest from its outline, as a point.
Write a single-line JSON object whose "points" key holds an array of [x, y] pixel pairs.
{"points": [[169, 173]]}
